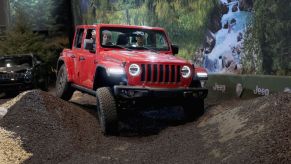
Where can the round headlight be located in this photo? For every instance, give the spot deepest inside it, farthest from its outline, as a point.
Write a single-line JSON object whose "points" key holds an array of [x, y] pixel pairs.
{"points": [[134, 70], [186, 71]]}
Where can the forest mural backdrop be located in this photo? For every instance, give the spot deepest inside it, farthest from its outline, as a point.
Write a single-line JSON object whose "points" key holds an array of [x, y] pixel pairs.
{"points": [[175, 16], [224, 36]]}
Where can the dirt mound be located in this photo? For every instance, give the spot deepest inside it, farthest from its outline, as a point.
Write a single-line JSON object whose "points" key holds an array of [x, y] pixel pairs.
{"points": [[39, 128], [50, 129], [253, 131]]}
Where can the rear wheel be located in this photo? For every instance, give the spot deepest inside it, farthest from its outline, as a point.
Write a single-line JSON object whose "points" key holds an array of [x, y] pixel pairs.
{"points": [[107, 111], [63, 87], [193, 108]]}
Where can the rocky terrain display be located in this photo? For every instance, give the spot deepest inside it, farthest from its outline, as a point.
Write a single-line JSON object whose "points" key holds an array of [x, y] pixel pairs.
{"points": [[36, 127]]}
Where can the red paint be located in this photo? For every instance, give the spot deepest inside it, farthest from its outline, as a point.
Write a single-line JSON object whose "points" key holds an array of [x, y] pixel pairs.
{"points": [[81, 64]]}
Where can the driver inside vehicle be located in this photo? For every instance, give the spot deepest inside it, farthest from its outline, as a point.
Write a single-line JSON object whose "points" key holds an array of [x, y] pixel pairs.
{"points": [[106, 39], [139, 40]]}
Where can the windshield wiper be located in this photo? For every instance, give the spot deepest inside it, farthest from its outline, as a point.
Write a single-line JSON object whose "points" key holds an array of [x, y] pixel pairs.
{"points": [[147, 48], [119, 46]]}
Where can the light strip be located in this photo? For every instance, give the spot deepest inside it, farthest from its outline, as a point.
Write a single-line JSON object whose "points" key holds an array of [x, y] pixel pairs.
{"points": [[202, 74]]}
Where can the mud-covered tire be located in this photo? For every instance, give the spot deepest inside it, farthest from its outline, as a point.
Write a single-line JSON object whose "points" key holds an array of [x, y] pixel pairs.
{"points": [[107, 111], [63, 87], [193, 108]]}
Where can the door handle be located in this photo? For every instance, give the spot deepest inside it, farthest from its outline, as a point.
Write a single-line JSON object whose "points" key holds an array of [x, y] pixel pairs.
{"points": [[81, 58]]}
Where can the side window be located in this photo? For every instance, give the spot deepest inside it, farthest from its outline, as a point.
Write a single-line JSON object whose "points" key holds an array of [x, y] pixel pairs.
{"points": [[78, 40], [90, 39]]}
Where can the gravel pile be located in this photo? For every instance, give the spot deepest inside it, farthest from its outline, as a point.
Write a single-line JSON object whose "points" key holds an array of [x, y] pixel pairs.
{"points": [[253, 131], [39, 128], [11, 148], [50, 129]]}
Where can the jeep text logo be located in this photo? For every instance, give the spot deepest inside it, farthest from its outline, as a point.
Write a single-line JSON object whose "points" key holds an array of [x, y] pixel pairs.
{"points": [[261, 91], [218, 87]]}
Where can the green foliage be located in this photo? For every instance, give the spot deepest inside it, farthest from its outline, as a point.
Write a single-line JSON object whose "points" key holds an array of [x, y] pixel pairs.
{"points": [[271, 36], [39, 12], [20, 39], [251, 59], [184, 20]]}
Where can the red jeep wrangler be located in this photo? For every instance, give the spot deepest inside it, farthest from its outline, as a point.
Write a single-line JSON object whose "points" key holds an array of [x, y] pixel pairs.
{"points": [[126, 65]]}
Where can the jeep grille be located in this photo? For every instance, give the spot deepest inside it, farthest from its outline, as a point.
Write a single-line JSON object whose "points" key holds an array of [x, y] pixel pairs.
{"points": [[8, 76], [160, 73]]}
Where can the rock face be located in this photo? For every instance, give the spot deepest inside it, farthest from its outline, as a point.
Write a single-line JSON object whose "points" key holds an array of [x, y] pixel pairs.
{"points": [[232, 21], [246, 5], [225, 26], [223, 8], [209, 41], [215, 24], [235, 8], [215, 19]]}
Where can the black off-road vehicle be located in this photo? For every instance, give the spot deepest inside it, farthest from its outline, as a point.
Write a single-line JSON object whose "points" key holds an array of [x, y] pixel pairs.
{"points": [[22, 72]]}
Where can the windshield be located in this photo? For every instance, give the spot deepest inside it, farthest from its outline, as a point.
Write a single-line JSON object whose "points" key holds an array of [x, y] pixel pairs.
{"points": [[134, 39], [16, 61]]}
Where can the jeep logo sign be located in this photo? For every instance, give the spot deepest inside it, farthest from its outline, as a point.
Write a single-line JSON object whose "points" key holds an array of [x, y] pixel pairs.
{"points": [[217, 87], [261, 91]]}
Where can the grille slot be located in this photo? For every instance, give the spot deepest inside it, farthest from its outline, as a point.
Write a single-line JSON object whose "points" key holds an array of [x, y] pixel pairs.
{"points": [[173, 73], [178, 73], [143, 72], [160, 73], [149, 72], [167, 73], [161, 79], [155, 79]]}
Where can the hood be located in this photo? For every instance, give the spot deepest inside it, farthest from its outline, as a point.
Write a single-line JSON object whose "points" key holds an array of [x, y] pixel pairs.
{"points": [[13, 69], [141, 56]]}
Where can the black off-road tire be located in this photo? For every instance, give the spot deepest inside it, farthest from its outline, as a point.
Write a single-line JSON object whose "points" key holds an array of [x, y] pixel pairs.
{"points": [[193, 108], [107, 111], [63, 87]]}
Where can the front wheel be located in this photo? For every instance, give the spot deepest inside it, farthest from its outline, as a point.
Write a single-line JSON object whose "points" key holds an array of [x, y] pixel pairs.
{"points": [[193, 108], [107, 111], [63, 87]]}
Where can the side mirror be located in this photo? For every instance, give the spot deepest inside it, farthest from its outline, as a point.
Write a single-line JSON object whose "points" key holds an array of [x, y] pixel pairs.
{"points": [[175, 49]]}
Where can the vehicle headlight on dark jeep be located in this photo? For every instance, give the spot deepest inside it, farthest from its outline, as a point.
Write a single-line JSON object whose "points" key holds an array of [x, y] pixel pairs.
{"points": [[134, 70], [186, 71]]}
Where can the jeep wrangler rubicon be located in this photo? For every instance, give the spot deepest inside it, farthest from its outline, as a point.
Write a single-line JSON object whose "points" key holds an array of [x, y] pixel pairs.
{"points": [[125, 65]]}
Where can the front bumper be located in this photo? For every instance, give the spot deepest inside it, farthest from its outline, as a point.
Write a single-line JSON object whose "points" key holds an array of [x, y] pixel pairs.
{"points": [[129, 92]]}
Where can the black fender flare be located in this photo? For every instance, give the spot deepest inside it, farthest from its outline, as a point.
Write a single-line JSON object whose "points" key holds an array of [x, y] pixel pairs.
{"points": [[102, 79], [100, 72]]}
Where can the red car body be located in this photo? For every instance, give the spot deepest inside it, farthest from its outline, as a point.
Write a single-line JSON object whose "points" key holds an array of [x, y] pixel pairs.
{"points": [[128, 72], [82, 72]]}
